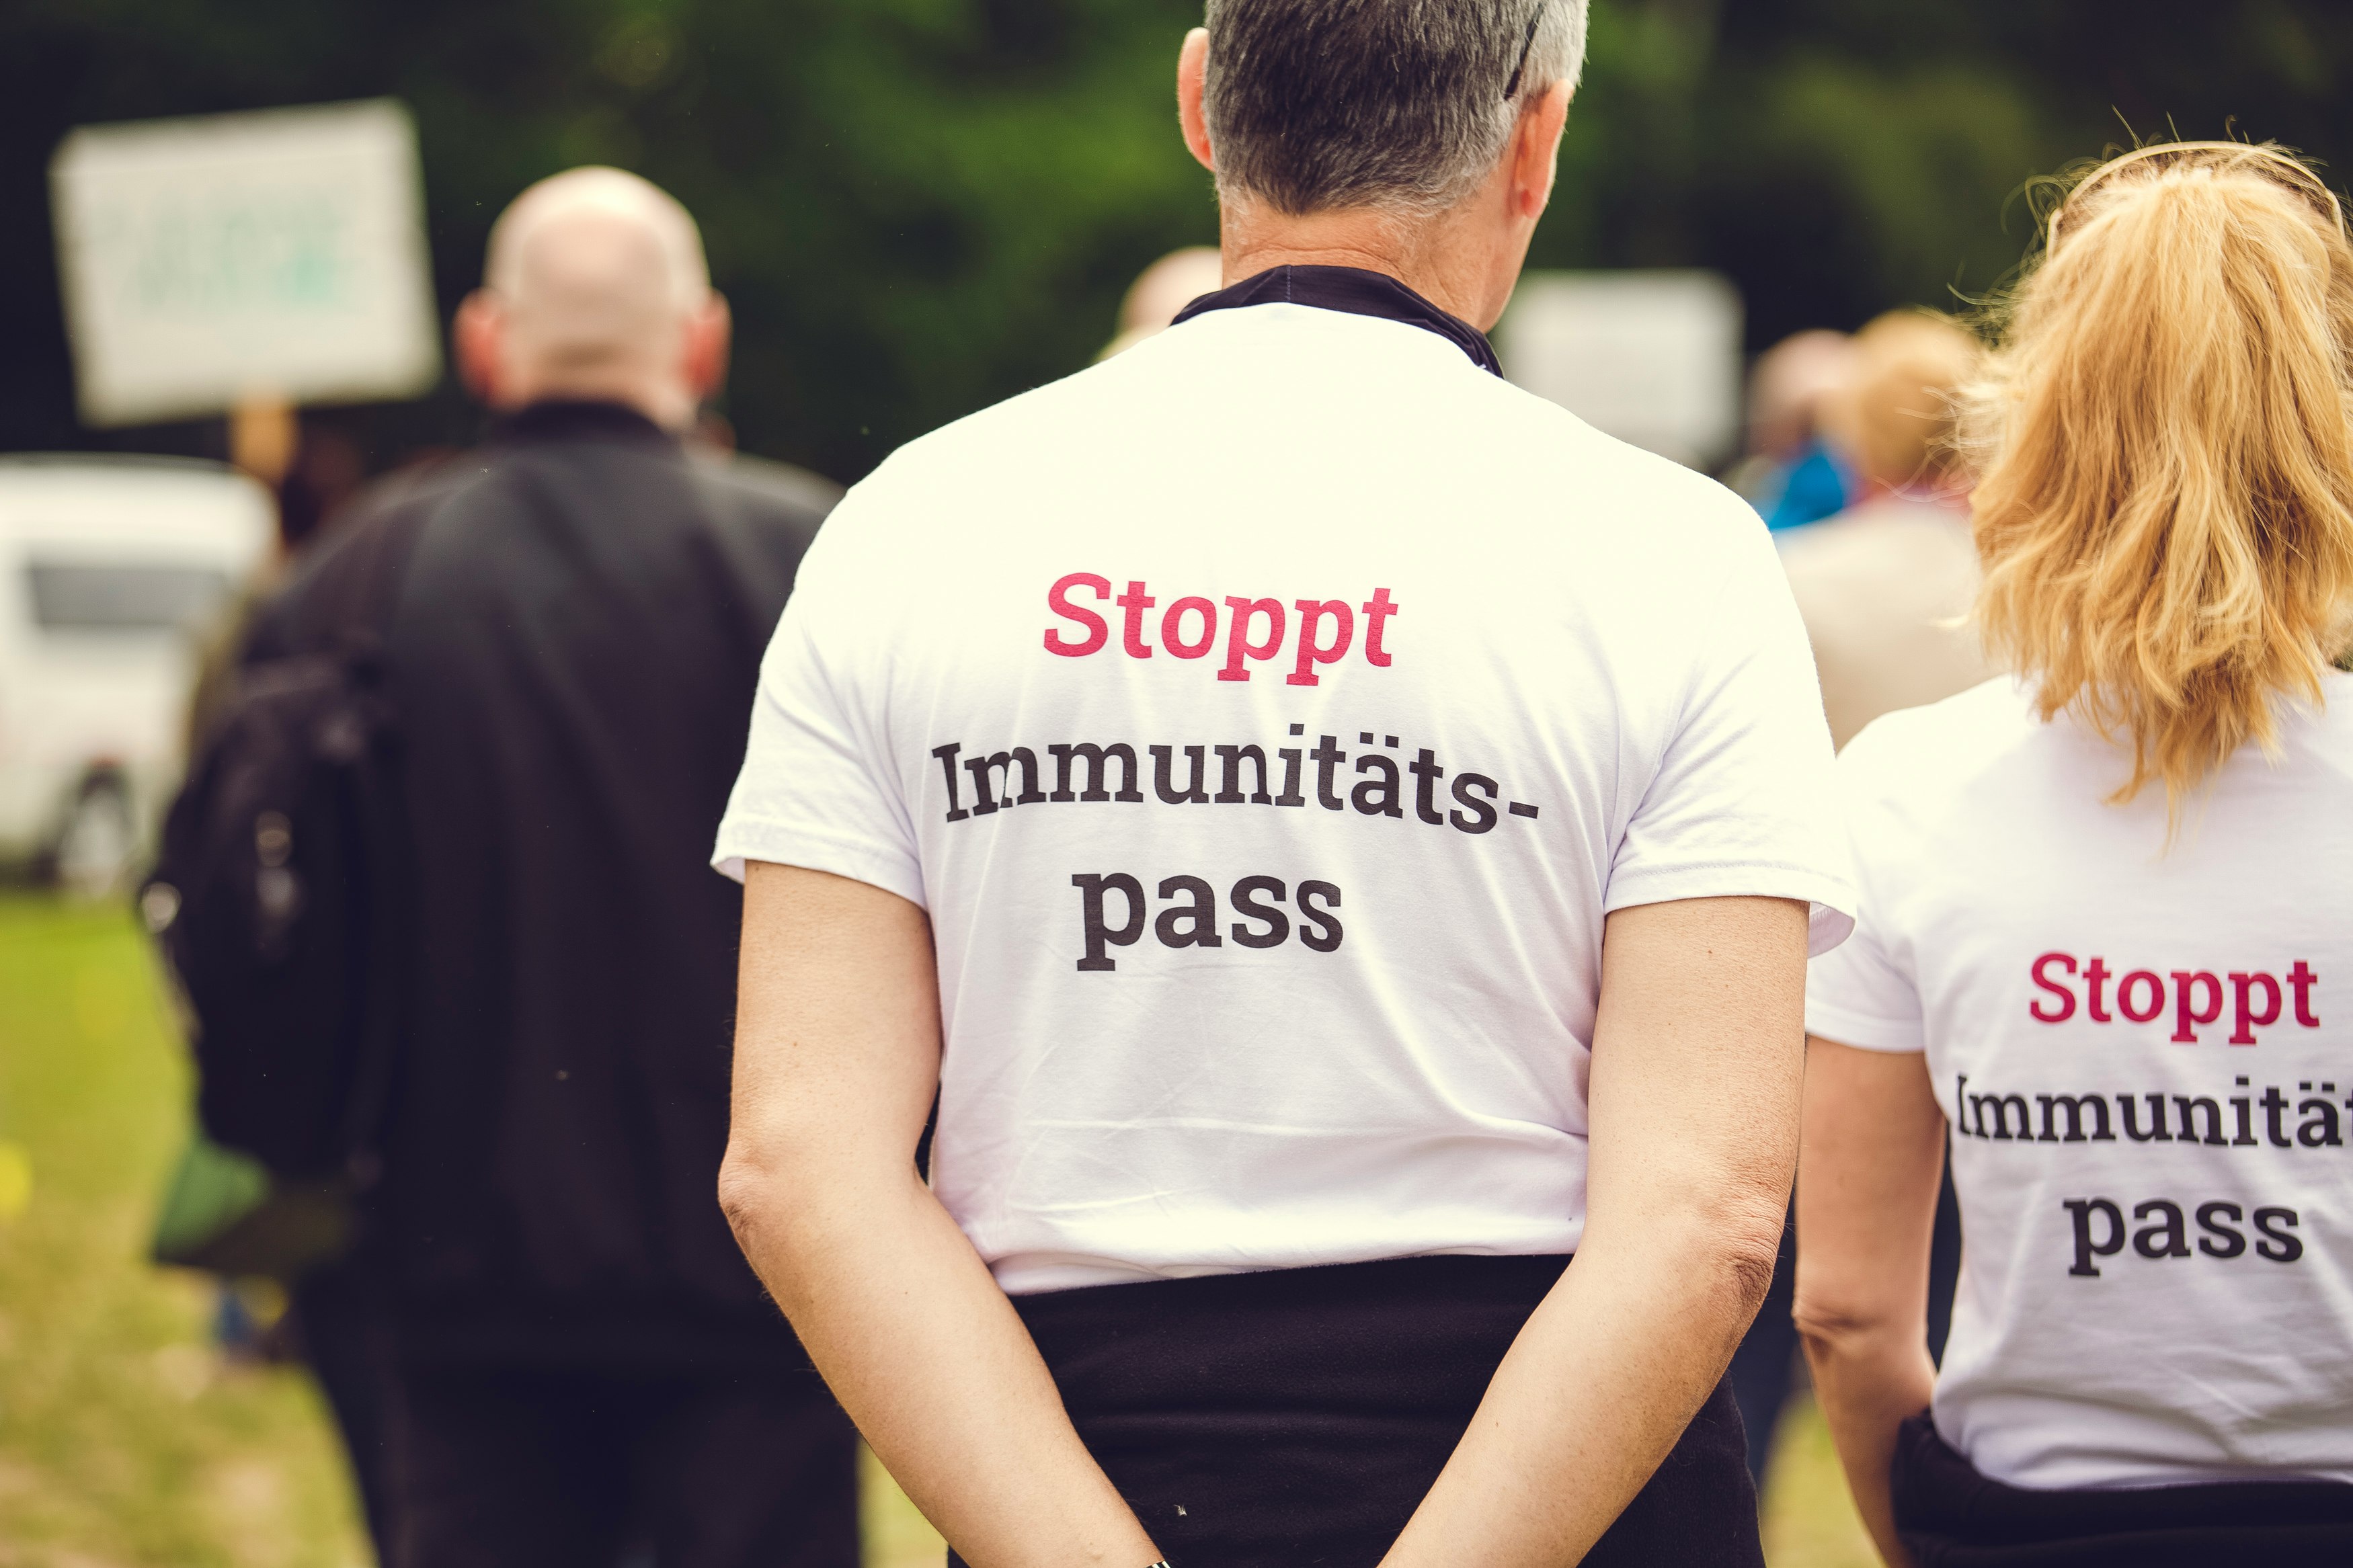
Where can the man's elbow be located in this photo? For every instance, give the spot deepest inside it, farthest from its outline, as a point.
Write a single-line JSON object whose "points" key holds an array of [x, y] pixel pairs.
{"points": [[1729, 1240], [747, 1188], [788, 1186], [1749, 1251]]}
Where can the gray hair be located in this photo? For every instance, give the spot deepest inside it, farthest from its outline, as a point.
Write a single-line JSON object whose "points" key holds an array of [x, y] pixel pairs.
{"points": [[1398, 104]]}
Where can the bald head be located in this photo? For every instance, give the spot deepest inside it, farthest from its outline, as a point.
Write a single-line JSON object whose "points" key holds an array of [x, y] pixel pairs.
{"points": [[596, 288]]}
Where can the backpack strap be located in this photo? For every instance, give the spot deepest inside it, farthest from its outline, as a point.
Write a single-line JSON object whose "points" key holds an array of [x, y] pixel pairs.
{"points": [[364, 603]]}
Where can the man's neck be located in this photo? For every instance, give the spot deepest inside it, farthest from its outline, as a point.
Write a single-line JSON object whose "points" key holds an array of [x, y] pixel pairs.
{"points": [[671, 410], [1415, 252]]}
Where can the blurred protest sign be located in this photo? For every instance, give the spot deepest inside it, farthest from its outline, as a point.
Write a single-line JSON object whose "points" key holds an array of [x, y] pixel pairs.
{"points": [[1653, 358], [245, 260]]}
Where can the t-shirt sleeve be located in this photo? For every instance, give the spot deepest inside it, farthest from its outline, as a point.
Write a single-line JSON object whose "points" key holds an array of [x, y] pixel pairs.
{"points": [[820, 788], [1860, 995], [1739, 804]]}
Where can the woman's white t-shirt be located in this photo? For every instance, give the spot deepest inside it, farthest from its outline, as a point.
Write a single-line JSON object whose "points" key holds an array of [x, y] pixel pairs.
{"points": [[1269, 719], [2145, 1057]]}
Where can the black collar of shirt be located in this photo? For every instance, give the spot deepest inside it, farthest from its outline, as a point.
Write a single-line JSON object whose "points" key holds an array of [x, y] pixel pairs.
{"points": [[570, 419], [1356, 290]]}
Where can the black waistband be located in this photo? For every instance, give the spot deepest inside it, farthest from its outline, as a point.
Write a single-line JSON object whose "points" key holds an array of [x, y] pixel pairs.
{"points": [[1410, 1333], [1953, 1517], [1358, 291], [1299, 1415]]}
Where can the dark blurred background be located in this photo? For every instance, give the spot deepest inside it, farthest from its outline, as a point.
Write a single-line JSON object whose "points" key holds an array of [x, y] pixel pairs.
{"points": [[919, 206]]}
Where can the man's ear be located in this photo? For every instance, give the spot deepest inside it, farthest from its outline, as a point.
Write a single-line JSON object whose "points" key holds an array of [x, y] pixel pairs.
{"points": [[1192, 73], [710, 332], [478, 338], [1535, 150]]}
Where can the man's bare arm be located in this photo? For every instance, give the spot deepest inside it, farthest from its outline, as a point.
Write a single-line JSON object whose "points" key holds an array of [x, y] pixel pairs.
{"points": [[836, 1057], [1872, 1160], [1697, 1052]]}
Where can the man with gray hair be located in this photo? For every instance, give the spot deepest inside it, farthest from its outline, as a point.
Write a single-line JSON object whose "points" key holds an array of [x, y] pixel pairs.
{"points": [[581, 1369], [1336, 837]]}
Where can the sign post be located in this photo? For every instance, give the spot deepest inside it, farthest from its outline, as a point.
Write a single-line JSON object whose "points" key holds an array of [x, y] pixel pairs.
{"points": [[245, 262]]}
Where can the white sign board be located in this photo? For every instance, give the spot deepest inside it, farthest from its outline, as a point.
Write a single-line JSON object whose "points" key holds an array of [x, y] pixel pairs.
{"points": [[1653, 358], [279, 254]]}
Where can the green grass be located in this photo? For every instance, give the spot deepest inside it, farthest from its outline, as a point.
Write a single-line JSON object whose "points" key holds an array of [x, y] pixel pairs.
{"points": [[122, 1439], [125, 1443], [1809, 1518]]}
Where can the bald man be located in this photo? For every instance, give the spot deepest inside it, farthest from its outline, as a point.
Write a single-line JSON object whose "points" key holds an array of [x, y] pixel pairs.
{"points": [[582, 1368]]}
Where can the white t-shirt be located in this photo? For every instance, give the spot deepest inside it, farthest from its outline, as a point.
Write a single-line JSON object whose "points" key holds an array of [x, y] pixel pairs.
{"points": [[1400, 680], [2137, 1307]]}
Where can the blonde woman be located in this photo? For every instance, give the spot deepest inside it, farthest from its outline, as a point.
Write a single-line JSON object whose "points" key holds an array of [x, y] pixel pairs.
{"points": [[2106, 935]]}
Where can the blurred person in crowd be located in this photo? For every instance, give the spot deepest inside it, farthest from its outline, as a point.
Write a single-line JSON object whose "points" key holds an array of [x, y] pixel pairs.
{"points": [[1885, 585], [2102, 947], [1791, 475], [576, 1356], [1885, 588], [1312, 925], [313, 471], [1163, 289], [327, 472]]}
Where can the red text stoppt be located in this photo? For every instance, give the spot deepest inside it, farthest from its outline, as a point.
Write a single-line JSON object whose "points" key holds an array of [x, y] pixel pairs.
{"points": [[1318, 631], [2197, 996]]}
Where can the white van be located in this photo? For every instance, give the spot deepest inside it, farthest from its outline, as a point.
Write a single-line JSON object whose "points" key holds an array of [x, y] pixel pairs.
{"points": [[113, 572]]}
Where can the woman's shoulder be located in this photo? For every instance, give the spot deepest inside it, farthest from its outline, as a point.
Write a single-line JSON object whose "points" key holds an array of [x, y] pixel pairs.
{"points": [[1924, 786], [1942, 743], [2329, 726], [1986, 762]]}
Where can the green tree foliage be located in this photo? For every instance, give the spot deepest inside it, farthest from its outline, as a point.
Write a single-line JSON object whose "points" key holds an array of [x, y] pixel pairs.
{"points": [[918, 206], [1887, 140]]}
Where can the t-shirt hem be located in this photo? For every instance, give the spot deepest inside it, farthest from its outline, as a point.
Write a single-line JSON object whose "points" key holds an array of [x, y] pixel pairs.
{"points": [[1829, 900], [1845, 1026], [1036, 1275], [814, 848], [2098, 1461]]}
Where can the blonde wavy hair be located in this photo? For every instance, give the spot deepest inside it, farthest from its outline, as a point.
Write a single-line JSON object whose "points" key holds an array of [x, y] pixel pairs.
{"points": [[2164, 450]]}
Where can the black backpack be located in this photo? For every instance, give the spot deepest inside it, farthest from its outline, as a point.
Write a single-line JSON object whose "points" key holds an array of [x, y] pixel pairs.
{"points": [[277, 893]]}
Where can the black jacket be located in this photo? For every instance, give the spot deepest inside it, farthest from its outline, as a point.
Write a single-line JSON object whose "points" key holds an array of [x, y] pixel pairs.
{"points": [[573, 662]]}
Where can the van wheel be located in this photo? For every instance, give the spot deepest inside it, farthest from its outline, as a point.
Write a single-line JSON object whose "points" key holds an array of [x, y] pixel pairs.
{"points": [[95, 846]]}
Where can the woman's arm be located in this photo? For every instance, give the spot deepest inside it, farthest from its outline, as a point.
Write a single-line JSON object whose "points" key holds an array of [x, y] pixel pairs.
{"points": [[1697, 1053], [837, 1058], [1868, 1169]]}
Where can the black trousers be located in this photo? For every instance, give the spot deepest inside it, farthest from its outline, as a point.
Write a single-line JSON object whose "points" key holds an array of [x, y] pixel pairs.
{"points": [[535, 1470], [1952, 1517], [341, 1333], [1296, 1418]]}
